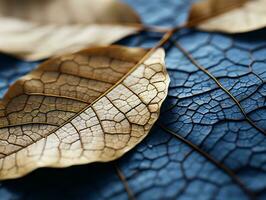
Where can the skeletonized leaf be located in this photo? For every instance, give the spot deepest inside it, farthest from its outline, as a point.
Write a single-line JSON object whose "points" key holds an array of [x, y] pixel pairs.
{"points": [[35, 30], [91, 106], [234, 16]]}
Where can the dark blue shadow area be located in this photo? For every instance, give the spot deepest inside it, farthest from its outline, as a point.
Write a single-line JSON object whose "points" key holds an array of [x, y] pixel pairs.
{"points": [[96, 181]]}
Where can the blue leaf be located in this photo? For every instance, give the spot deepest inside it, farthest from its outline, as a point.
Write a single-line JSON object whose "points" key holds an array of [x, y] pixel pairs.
{"points": [[210, 140], [219, 103]]}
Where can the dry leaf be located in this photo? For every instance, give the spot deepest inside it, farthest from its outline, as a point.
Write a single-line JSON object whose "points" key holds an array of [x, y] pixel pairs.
{"points": [[69, 11], [91, 106], [33, 42], [35, 30], [230, 16]]}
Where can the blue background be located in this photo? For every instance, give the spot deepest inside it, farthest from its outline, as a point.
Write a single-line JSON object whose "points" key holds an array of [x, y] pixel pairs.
{"points": [[219, 113]]}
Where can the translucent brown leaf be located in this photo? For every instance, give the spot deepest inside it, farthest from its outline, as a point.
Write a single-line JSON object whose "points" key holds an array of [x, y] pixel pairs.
{"points": [[34, 30], [234, 16], [94, 105]]}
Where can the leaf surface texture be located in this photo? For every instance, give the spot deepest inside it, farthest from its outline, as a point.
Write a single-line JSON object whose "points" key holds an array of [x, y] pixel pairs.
{"points": [[94, 105]]}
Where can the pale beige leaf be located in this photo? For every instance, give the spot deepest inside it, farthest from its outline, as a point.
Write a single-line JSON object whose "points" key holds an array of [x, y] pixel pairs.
{"points": [[234, 16], [94, 105], [69, 11], [34, 30], [33, 42]]}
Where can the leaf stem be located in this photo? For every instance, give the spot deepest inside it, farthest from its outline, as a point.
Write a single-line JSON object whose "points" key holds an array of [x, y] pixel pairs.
{"points": [[124, 181]]}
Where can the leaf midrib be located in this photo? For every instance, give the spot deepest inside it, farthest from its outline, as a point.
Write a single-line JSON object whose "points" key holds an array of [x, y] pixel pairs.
{"points": [[194, 62], [146, 55]]}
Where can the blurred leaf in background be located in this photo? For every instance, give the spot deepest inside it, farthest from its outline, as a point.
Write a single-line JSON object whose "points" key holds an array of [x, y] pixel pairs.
{"points": [[34, 30], [233, 16]]}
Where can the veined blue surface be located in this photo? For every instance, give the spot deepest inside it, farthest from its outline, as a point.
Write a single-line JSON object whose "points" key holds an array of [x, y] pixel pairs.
{"points": [[223, 110], [218, 107], [162, 12]]}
